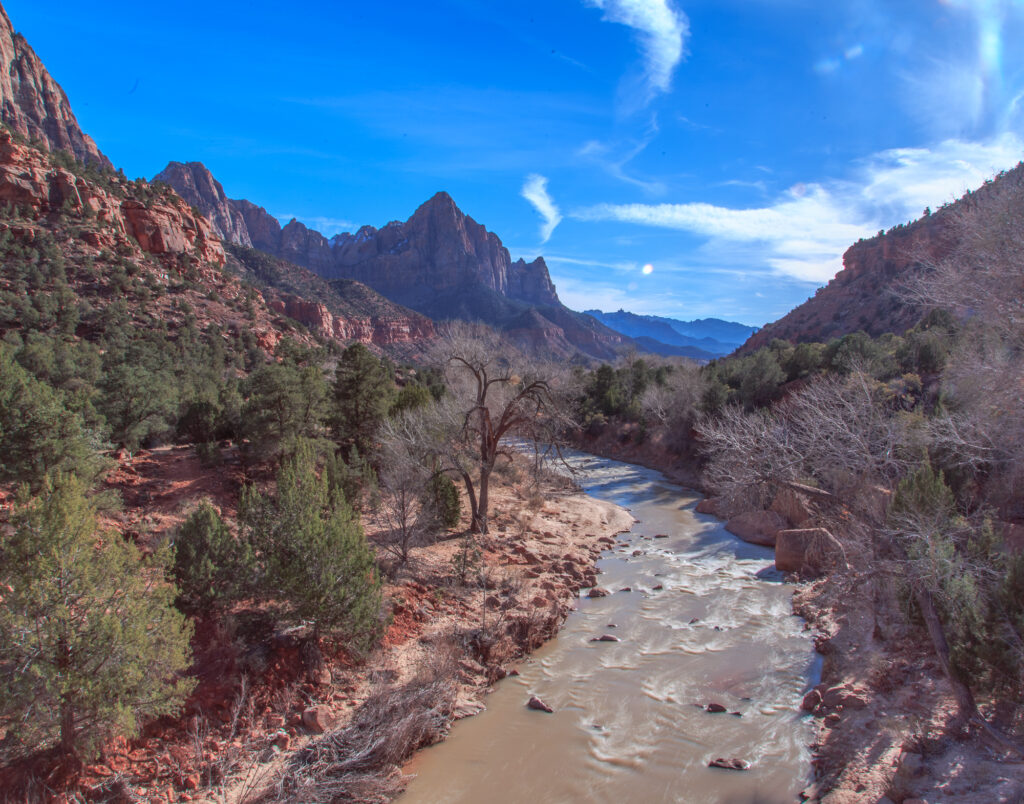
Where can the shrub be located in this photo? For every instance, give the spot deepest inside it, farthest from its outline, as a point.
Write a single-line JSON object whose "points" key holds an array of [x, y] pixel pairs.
{"points": [[211, 566]]}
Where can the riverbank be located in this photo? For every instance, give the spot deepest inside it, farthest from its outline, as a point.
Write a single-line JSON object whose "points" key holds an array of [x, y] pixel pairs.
{"points": [[883, 709], [450, 637]]}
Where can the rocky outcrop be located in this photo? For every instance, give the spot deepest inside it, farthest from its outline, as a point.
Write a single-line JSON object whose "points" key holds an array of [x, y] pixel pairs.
{"points": [[196, 185], [865, 295], [33, 105], [757, 527], [440, 263], [164, 227], [380, 331], [809, 551]]}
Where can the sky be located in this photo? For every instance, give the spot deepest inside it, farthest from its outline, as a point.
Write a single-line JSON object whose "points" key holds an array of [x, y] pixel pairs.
{"points": [[686, 158]]}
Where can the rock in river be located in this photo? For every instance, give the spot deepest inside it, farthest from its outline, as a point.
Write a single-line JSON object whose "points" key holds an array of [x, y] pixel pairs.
{"points": [[730, 764], [539, 705]]}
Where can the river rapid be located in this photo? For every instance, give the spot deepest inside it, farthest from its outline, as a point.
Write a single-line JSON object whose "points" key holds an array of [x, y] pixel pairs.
{"points": [[628, 725]]}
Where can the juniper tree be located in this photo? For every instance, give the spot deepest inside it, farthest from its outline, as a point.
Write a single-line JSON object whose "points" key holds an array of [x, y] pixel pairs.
{"points": [[317, 561], [90, 642]]}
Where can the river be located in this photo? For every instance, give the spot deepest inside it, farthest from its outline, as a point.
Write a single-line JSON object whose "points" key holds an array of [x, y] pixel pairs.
{"points": [[627, 725]]}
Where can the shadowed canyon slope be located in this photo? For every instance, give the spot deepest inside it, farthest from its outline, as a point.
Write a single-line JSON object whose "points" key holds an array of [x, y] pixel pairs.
{"points": [[866, 294], [440, 263], [34, 105]]}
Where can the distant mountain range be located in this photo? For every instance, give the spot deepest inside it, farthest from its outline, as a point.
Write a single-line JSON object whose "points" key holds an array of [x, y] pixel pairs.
{"points": [[702, 339]]}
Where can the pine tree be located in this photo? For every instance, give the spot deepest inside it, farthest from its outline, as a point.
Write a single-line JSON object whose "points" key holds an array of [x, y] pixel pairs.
{"points": [[211, 566], [363, 392], [318, 562], [90, 642]]}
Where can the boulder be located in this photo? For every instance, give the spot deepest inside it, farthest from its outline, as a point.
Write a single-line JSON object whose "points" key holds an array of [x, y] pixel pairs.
{"points": [[757, 527], [729, 764], [715, 708], [793, 506], [597, 591], [709, 505], [539, 705], [318, 719], [606, 638], [813, 551]]}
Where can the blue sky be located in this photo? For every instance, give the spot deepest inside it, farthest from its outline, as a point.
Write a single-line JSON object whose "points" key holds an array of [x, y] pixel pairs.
{"points": [[736, 147]]}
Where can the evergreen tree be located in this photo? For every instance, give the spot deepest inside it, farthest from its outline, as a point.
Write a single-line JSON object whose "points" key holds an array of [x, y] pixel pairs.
{"points": [[363, 391], [318, 562], [211, 566], [90, 642], [285, 404], [38, 434]]}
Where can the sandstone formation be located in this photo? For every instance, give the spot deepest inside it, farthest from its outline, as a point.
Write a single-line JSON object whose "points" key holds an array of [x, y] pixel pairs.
{"points": [[440, 263], [811, 551], [166, 226], [757, 527], [343, 309], [865, 294], [33, 105], [380, 331], [196, 185]]}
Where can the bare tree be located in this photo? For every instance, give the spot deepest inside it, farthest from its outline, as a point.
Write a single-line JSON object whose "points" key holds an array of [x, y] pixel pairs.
{"points": [[403, 511], [495, 396], [836, 433]]}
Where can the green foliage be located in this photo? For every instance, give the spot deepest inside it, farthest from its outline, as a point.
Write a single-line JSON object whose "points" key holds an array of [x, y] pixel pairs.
{"points": [[410, 397], [90, 642], [973, 581], [443, 498], [363, 391], [38, 434], [285, 403], [353, 479], [211, 566], [318, 563]]}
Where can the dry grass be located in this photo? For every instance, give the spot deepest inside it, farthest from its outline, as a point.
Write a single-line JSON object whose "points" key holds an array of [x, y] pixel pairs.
{"points": [[361, 762]]}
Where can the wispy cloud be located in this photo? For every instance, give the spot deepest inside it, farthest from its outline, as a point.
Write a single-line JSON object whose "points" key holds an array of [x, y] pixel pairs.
{"points": [[662, 30], [535, 190], [805, 231]]}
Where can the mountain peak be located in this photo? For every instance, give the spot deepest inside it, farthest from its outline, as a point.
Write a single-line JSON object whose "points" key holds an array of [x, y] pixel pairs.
{"points": [[33, 105]]}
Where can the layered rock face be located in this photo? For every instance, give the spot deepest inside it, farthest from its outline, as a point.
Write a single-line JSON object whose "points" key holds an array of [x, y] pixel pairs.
{"points": [[371, 329], [33, 105], [438, 252], [163, 227], [865, 295], [440, 263], [205, 193]]}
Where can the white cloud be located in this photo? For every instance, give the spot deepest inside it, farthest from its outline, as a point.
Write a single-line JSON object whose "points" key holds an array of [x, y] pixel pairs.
{"points": [[804, 233], [535, 190], [662, 30]]}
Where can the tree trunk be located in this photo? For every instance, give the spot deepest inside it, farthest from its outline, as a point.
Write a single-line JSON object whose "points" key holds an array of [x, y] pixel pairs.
{"points": [[485, 482], [474, 508], [968, 709], [67, 728]]}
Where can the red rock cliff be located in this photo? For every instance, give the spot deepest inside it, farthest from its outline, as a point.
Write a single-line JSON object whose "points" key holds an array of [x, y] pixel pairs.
{"points": [[33, 104], [166, 226]]}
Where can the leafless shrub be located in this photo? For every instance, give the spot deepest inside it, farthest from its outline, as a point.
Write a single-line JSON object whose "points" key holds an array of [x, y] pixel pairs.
{"points": [[360, 762]]}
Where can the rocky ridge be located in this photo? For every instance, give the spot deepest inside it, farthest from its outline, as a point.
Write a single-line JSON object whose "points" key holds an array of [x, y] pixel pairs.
{"points": [[343, 310], [440, 263], [164, 225], [33, 105], [865, 294]]}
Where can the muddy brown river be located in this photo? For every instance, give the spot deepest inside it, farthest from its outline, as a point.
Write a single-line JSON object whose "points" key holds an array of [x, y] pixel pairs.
{"points": [[627, 725]]}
